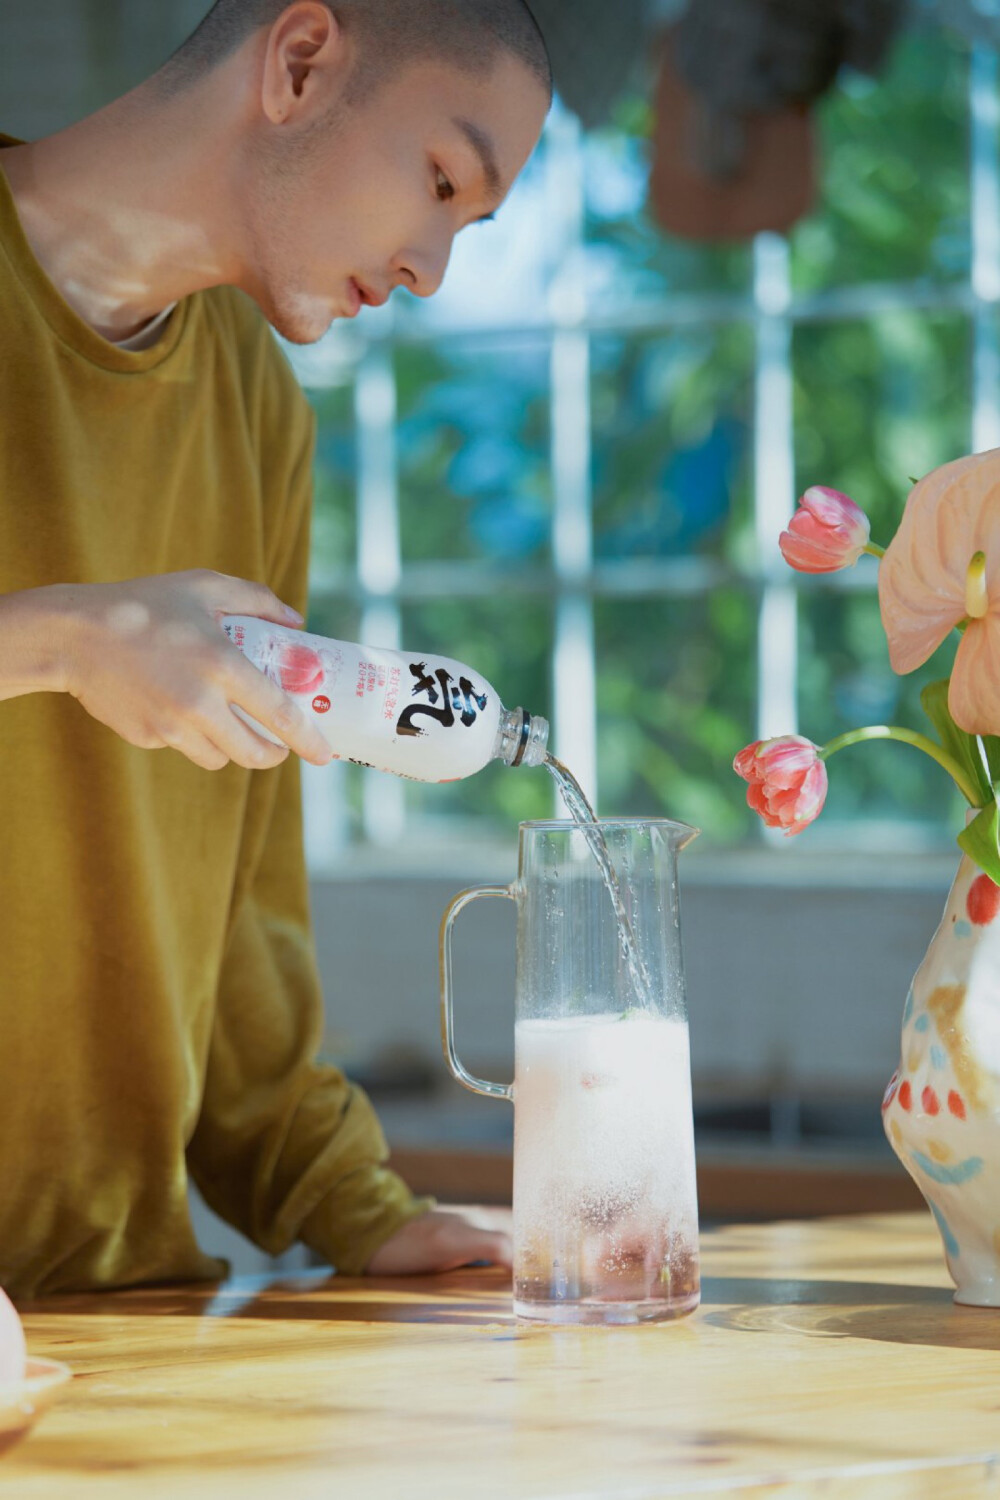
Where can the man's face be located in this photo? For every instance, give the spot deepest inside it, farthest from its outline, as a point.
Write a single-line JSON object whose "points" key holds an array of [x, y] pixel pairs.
{"points": [[353, 207]]}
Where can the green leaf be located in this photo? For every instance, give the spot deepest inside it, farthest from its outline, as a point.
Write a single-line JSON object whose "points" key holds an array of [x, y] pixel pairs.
{"points": [[992, 747], [962, 746], [981, 841]]}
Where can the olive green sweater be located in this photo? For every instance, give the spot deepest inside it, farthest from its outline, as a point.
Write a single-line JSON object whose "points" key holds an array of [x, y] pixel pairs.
{"points": [[160, 1011]]}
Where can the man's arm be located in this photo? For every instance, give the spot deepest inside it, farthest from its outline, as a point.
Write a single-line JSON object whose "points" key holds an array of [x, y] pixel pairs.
{"points": [[32, 644], [286, 1148]]}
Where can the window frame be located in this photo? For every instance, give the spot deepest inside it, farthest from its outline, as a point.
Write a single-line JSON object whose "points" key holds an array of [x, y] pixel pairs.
{"points": [[381, 582]]}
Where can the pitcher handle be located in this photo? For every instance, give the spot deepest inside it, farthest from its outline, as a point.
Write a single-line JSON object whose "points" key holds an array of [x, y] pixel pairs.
{"points": [[458, 1069]]}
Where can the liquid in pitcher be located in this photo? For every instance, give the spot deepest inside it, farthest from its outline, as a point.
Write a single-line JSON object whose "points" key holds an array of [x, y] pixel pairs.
{"points": [[605, 1200]]}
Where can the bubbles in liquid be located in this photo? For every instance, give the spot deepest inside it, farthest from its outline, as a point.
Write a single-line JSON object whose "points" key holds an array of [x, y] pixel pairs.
{"points": [[605, 1203]]}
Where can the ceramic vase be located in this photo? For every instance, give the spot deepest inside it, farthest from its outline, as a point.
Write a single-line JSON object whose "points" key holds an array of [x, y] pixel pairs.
{"points": [[942, 1107]]}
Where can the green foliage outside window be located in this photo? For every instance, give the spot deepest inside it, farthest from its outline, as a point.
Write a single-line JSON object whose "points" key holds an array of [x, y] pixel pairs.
{"points": [[876, 401]]}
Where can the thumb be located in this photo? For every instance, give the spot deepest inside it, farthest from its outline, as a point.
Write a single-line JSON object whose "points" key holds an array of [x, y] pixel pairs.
{"points": [[240, 596]]}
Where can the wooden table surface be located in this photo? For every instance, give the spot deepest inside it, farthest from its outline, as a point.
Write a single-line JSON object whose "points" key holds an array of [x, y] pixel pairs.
{"points": [[827, 1358]]}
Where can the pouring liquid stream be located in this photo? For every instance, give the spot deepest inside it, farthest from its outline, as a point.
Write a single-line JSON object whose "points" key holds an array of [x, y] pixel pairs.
{"points": [[585, 818]]}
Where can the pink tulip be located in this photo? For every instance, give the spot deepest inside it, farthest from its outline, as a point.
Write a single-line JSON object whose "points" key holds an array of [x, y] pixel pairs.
{"points": [[826, 533], [787, 781], [943, 567]]}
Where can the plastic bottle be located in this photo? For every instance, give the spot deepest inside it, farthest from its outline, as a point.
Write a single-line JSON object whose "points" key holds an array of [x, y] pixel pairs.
{"points": [[426, 717]]}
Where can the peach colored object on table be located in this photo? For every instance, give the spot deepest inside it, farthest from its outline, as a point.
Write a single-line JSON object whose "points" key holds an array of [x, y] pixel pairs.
{"points": [[827, 1358], [23, 1401], [13, 1354]]}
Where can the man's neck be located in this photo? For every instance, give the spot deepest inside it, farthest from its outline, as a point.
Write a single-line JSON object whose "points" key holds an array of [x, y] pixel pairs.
{"points": [[127, 211]]}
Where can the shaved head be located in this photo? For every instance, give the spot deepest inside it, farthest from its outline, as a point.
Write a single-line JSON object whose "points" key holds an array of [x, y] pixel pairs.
{"points": [[469, 34], [354, 139]]}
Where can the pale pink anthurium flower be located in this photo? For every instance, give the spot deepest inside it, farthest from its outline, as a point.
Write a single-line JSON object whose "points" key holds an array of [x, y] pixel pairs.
{"points": [[942, 567], [786, 781], [827, 532]]}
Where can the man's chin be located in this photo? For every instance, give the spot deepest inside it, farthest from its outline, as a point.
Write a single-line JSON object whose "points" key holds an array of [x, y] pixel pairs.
{"points": [[303, 331], [296, 335], [298, 320]]}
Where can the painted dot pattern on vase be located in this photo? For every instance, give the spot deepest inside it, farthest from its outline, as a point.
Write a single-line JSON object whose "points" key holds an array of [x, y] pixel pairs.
{"points": [[983, 901]]}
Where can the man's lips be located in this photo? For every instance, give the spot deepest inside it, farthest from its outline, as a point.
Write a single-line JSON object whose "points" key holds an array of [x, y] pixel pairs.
{"points": [[361, 295]]}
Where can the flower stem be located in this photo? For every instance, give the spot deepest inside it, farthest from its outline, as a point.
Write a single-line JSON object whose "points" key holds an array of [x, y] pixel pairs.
{"points": [[908, 737], [874, 550]]}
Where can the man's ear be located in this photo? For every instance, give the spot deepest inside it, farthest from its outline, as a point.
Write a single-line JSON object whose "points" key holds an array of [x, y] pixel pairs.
{"points": [[304, 47]]}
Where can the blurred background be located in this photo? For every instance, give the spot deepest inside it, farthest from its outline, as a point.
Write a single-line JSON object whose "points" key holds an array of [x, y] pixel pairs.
{"points": [[758, 248]]}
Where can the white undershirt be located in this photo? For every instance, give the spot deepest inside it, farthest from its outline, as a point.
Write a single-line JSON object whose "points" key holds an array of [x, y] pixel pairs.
{"points": [[147, 334]]}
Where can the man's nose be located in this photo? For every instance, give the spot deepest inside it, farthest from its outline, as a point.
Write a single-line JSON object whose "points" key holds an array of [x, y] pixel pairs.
{"points": [[422, 271]]}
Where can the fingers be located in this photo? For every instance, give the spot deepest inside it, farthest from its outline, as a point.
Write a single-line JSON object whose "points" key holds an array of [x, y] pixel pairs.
{"points": [[196, 746], [222, 745], [459, 1242], [439, 1240], [481, 1216], [239, 596], [264, 701], [215, 750], [489, 1246], [452, 1252], [246, 748]]}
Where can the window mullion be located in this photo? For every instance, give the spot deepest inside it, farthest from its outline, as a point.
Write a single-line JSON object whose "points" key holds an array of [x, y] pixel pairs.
{"points": [[984, 197], [379, 558], [774, 486]]}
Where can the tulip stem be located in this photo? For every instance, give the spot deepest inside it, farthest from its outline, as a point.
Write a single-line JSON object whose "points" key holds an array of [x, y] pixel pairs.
{"points": [[874, 550], [908, 737]]}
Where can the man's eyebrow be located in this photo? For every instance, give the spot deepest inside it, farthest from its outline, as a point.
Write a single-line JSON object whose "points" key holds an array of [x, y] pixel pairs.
{"points": [[482, 144]]}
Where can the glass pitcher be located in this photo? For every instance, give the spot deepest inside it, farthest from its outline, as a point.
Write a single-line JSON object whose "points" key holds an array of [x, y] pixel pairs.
{"points": [[605, 1204]]}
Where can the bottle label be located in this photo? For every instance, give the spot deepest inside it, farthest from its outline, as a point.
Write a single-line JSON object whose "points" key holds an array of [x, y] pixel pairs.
{"points": [[425, 717], [443, 701]]}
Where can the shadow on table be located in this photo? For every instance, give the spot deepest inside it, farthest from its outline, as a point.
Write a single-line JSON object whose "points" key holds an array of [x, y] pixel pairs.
{"points": [[850, 1309], [481, 1297], [476, 1296]]}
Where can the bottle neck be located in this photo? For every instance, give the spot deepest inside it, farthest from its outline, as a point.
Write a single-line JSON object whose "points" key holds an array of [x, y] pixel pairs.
{"points": [[522, 738]]}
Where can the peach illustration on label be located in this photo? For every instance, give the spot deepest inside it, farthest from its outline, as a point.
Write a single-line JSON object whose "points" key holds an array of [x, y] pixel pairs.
{"points": [[299, 668]]}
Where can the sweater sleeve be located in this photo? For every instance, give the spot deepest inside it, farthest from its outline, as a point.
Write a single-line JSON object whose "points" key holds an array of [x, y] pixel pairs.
{"points": [[286, 1148]]}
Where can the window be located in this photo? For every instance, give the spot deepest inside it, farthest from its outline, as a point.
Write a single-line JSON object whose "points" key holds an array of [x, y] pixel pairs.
{"points": [[571, 467]]}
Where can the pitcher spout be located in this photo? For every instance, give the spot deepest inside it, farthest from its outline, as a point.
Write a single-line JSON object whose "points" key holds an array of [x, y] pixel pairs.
{"points": [[677, 835]]}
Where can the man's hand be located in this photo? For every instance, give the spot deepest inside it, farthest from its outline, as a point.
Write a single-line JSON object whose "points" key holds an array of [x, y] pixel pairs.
{"points": [[149, 659], [443, 1240]]}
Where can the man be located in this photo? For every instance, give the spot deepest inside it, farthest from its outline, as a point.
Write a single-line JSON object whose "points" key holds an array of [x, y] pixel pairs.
{"points": [[159, 1004]]}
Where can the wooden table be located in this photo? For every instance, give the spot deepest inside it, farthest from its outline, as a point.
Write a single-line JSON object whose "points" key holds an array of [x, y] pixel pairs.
{"points": [[827, 1359]]}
